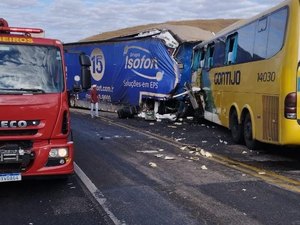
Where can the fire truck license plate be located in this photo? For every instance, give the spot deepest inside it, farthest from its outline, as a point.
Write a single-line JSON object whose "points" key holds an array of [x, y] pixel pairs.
{"points": [[7, 177]]}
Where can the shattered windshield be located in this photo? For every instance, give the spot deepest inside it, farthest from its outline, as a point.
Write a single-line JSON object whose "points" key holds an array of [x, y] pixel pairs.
{"points": [[30, 69]]}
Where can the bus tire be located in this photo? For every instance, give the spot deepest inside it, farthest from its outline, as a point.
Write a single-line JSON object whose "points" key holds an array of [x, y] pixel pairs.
{"points": [[235, 128], [248, 135], [121, 114]]}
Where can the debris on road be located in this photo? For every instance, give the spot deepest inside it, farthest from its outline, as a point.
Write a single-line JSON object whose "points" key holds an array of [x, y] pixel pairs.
{"points": [[179, 139], [152, 164], [159, 155], [205, 153], [169, 158], [177, 123], [222, 141], [148, 151], [194, 158], [183, 148], [171, 117], [204, 167]]}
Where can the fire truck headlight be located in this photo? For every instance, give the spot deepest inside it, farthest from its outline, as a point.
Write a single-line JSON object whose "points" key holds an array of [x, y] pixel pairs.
{"points": [[59, 153]]}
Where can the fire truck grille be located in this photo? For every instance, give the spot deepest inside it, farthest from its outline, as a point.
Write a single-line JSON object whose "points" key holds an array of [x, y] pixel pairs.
{"points": [[18, 132], [15, 156], [10, 168], [16, 144]]}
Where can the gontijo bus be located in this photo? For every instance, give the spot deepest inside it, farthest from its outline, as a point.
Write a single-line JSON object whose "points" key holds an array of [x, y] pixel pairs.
{"points": [[250, 75], [34, 112]]}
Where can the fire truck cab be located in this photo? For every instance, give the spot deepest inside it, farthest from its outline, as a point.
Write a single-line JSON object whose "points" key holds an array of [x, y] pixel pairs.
{"points": [[34, 112]]}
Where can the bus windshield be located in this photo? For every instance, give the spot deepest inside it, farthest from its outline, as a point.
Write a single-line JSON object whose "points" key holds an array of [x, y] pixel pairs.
{"points": [[30, 69]]}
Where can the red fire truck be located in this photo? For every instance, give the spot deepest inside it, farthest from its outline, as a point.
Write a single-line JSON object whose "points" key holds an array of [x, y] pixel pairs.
{"points": [[34, 112]]}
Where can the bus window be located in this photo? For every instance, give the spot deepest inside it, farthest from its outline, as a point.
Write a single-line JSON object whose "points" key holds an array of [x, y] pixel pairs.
{"points": [[196, 60], [276, 31], [231, 49], [246, 43], [261, 39], [202, 57], [209, 56], [219, 54]]}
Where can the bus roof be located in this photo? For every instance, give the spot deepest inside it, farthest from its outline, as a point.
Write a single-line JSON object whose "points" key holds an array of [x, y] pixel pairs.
{"points": [[243, 22]]}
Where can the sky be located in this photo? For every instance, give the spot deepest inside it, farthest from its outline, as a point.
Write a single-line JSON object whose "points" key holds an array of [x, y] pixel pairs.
{"points": [[73, 20]]}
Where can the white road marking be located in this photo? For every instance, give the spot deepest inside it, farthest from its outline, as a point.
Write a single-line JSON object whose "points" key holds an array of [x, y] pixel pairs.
{"points": [[98, 195]]}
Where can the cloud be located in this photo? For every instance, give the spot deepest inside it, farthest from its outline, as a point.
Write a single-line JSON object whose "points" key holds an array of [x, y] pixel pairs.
{"points": [[72, 20], [17, 4]]}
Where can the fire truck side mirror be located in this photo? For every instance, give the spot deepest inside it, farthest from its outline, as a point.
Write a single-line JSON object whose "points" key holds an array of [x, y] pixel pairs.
{"points": [[84, 60], [85, 63]]}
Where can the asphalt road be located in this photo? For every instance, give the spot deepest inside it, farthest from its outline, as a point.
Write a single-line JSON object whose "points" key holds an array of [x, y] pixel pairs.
{"points": [[49, 202], [148, 181], [152, 173]]}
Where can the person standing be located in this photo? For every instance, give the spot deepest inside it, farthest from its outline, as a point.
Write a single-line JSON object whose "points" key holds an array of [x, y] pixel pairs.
{"points": [[94, 101]]}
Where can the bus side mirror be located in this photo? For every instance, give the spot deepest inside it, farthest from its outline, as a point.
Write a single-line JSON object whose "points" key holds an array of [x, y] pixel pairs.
{"points": [[85, 64]]}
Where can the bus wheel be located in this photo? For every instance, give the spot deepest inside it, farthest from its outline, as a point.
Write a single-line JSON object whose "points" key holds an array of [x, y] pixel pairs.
{"points": [[236, 128], [248, 137]]}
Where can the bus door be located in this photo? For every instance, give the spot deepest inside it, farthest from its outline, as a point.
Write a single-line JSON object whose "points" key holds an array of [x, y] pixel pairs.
{"points": [[207, 81]]}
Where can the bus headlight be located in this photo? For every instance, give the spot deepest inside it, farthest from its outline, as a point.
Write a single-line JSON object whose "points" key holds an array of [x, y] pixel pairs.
{"points": [[58, 153]]}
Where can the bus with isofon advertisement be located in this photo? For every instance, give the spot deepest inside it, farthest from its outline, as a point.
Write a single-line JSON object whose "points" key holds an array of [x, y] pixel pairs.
{"points": [[34, 113], [250, 78]]}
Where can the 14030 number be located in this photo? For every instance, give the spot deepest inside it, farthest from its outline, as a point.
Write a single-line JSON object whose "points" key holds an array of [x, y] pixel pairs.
{"points": [[266, 77]]}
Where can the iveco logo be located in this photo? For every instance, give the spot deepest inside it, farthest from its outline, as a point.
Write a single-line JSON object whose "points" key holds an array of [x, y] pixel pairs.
{"points": [[13, 123]]}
